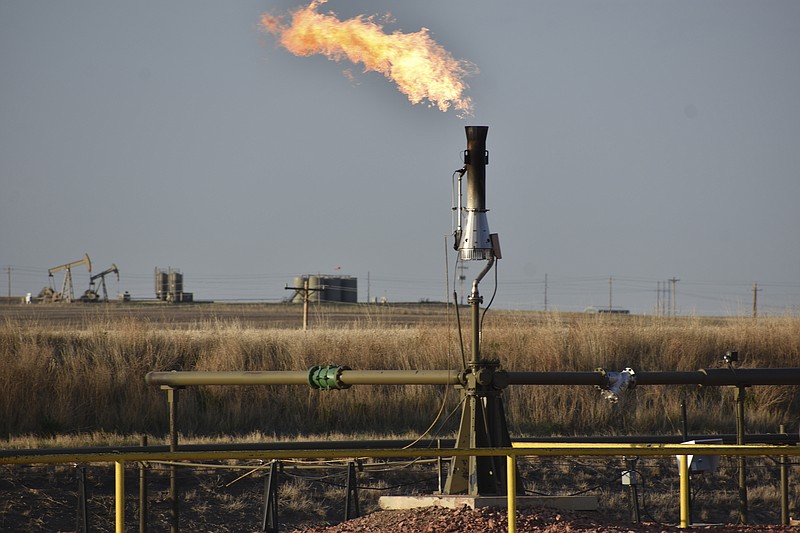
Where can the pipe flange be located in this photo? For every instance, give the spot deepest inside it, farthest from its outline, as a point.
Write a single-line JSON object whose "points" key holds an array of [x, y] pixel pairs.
{"points": [[327, 377]]}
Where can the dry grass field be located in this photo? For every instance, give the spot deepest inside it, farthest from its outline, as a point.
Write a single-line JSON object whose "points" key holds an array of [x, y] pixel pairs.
{"points": [[81, 368], [74, 375]]}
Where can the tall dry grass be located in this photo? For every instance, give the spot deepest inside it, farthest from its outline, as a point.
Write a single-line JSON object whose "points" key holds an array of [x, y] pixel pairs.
{"points": [[90, 378]]}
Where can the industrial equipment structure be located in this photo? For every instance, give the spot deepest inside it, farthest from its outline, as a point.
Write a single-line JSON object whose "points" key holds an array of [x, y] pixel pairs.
{"points": [[481, 381], [67, 294], [483, 421], [169, 286], [340, 289], [91, 294]]}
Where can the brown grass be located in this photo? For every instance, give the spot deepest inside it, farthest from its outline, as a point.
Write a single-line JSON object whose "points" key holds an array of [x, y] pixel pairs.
{"points": [[88, 377]]}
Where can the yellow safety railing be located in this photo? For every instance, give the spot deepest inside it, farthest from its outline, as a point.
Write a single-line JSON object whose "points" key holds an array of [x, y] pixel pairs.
{"points": [[517, 450]]}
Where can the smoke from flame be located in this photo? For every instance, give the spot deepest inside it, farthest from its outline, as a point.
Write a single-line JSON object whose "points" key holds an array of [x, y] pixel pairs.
{"points": [[420, 67]]}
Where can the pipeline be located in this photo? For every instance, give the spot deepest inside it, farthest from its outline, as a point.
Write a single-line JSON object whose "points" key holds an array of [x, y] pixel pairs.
{"points": [[319, 377], [336, 377], [776, 439], [716, 377]]}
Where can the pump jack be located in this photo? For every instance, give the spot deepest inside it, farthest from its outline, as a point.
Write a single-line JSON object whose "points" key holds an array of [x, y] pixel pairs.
{"points": [[67, 294], [91, 295]]}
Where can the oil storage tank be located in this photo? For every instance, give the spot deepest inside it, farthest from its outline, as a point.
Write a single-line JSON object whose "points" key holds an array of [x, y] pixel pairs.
{"points": [[322, 288], [350, 290], [332, 289]]}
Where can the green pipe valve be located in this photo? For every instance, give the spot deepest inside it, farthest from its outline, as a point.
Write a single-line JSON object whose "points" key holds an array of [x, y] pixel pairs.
{"points": [[327, 377]]}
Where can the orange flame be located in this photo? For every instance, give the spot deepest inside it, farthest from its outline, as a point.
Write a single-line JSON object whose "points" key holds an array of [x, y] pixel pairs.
{"points": [[420, 67]]}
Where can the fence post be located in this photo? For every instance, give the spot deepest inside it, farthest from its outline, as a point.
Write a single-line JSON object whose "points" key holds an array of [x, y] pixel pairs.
{"points": [[352, 493], [83, 517], [784, 484], [269, 521]]}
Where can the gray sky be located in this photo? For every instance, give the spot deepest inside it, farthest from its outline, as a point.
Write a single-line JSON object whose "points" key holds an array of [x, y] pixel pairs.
{"points": [[637, 140]]}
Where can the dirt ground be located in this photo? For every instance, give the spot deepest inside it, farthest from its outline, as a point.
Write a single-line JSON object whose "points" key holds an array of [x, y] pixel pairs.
{"points": [[48, 498]]}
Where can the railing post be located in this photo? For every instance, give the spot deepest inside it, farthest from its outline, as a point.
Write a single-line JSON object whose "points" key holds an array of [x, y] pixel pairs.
{"points": [[143, 492], [740, 432], [511, 478], [82, 523], [633, 481], [683, 470], [119, 495], [440, 466], [172, 400], [784, 485], [352, 493]]}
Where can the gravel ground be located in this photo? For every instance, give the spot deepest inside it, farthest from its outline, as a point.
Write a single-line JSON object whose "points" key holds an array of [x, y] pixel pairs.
{"points": [[465, 520]]}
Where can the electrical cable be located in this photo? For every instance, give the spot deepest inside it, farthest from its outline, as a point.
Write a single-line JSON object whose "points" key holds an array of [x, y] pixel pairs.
{"points": [[494, 293], [368, 487], [246, 474], [601, 485], [441, 407], [453, 207], [460, 334], [438, 415], [311, 479], [447, 302], [403, 464], [644, 505], [608, 482], [435, 435], [444, 395]]}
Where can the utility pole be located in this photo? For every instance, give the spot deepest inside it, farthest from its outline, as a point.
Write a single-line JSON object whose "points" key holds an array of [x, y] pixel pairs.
{"points": [[306, 292], [673, 280], [610, 281], [755, 299], [658, 298], [8, 269], [545, 292]]}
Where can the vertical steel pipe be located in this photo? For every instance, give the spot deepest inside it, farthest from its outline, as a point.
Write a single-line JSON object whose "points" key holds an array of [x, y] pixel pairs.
{"points": [[683, 470], [119, 495], [511, 477], [476, 243], [476, 166], [475, 305]]}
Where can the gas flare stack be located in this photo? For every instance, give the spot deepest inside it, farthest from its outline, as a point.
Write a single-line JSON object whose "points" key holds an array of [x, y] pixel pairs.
{"points": [[483, 421]]}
